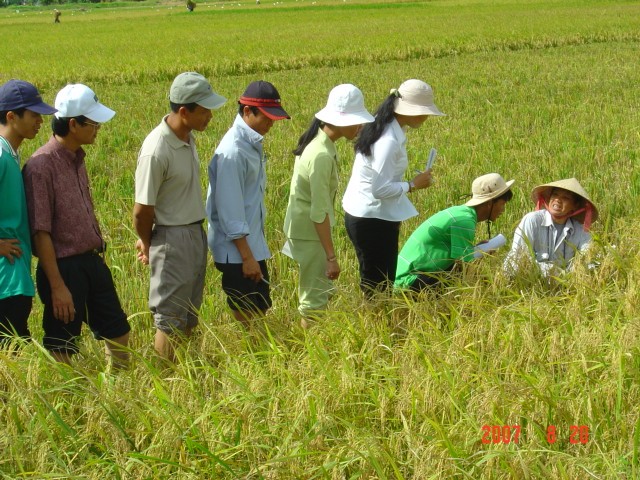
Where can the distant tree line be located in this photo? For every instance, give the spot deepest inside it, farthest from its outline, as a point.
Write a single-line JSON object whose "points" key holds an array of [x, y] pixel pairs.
{"points": [[14, 3]]}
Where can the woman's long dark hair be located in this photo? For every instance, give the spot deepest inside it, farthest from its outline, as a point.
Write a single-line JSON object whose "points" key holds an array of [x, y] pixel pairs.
{"points": [[308, 135], [371, 132]]}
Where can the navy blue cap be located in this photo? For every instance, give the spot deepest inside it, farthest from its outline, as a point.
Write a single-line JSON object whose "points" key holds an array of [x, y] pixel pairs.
{"points": [[16, 94], [264, 95]]}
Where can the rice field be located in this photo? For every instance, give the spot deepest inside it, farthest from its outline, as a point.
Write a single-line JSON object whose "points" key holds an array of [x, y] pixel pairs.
{"points": [[536, 90]]}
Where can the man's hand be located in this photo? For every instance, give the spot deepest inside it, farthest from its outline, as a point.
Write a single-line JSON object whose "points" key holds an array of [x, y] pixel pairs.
{"points": [[62, 301], [251, 269], [143, 252], [9, 247]]}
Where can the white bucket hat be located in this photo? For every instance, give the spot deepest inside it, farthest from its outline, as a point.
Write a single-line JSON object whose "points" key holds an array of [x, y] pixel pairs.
{"points": [[77, 99], [415, 98], [345, 107], [488, 187]]}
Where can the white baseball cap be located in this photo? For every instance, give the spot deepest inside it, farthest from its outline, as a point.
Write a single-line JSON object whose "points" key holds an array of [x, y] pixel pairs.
{"points": [[77, 99], [345, 107], [414, 98]]}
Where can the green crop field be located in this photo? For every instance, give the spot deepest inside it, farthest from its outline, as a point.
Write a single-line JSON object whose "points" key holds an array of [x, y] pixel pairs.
{"points": [[536, 90]]}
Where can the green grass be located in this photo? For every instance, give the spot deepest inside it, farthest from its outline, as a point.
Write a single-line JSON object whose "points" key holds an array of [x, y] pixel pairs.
{"points": [[536, 90]]}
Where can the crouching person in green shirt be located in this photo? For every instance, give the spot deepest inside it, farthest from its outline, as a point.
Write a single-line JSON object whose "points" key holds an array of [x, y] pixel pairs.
{"points": [[448, 236]]}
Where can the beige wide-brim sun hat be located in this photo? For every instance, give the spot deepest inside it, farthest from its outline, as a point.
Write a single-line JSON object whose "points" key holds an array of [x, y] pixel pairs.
{"points": [[570, 184], [414, 98], [488, 187]]}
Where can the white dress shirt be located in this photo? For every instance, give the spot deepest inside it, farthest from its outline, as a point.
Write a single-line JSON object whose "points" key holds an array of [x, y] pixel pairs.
{"points": [[377, 188]]}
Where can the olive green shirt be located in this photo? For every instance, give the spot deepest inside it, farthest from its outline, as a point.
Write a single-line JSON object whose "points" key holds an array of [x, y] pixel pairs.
{"points": [[313, 189]]}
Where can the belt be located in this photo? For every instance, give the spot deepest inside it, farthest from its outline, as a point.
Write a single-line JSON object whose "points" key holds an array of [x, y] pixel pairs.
{"points": [[96, 251], [197, 222]]}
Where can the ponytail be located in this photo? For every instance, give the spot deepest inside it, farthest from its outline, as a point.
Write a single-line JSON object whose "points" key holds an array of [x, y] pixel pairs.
{"points": [[308, 135]]}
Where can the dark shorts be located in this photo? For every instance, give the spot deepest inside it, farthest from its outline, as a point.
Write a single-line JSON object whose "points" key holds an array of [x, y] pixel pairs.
{"points": [[242, 293], [14, 313], [95, 299]]}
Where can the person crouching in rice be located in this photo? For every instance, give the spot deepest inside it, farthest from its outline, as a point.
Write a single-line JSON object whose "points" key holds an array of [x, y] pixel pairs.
{"points": [[448, 237], [556, 231]]}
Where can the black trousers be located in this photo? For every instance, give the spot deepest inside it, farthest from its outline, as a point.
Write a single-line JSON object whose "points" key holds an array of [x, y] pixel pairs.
{"points": [[376, 244]]}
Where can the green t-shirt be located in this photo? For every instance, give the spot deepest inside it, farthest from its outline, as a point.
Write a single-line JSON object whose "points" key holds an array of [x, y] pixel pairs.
{"points": [[442, 239], [15, 279]]}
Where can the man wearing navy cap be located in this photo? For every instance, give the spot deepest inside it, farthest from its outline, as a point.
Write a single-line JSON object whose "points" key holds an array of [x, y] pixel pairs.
{"points": [[73, 280], [235, 203], [21, 110]]}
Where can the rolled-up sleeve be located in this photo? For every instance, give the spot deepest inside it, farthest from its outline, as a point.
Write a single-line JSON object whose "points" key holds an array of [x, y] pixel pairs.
{"points": [[320, 173], [229, 195]]}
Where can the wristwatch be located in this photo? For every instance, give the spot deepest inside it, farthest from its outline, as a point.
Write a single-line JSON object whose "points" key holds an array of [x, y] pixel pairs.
{"points": [[412, 186]]}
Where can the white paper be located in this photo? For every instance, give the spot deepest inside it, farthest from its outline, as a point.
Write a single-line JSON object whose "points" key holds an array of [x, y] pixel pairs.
{"points": [[286, 249], [493, 244], [432, 158]]}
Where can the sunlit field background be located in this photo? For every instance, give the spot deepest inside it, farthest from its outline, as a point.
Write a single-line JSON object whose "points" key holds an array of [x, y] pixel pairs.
{"points": [[535, 90]]}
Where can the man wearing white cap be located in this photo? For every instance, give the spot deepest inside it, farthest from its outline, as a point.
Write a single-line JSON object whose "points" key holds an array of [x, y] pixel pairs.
{"points": [[556, 231], [169, 211], [448, 236], [73, 280]]}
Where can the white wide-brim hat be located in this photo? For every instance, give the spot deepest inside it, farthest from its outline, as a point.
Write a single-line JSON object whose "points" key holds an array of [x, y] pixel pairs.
{"points": [[345, 107], [414, 97], [488, 187]]}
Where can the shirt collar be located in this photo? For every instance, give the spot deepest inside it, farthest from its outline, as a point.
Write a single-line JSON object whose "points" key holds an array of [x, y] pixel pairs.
{"points": [[64, 153], [171, 136], [9, 148], [548, 222], [327, 142], [246, 132], [397, 130]]}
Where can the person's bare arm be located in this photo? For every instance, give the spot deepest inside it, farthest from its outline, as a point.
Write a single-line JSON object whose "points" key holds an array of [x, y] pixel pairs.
{"points": [[324, 234], [10, 248], [143, 223], [250, 267]]}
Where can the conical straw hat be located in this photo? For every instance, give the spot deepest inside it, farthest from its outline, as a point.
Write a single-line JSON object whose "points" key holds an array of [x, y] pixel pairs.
{"points": [[570, 184]]}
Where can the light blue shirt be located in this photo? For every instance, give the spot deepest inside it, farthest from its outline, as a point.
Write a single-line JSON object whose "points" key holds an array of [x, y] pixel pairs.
{"points": [[538, 235], [235, 197]]}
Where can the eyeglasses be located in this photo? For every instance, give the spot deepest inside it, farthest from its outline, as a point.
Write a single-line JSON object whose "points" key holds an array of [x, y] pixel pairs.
{"points": [[92, 124]]}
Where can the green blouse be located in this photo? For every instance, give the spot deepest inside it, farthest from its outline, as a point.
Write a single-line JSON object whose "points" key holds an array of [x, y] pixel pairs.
{"points": [[313, 189]]}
